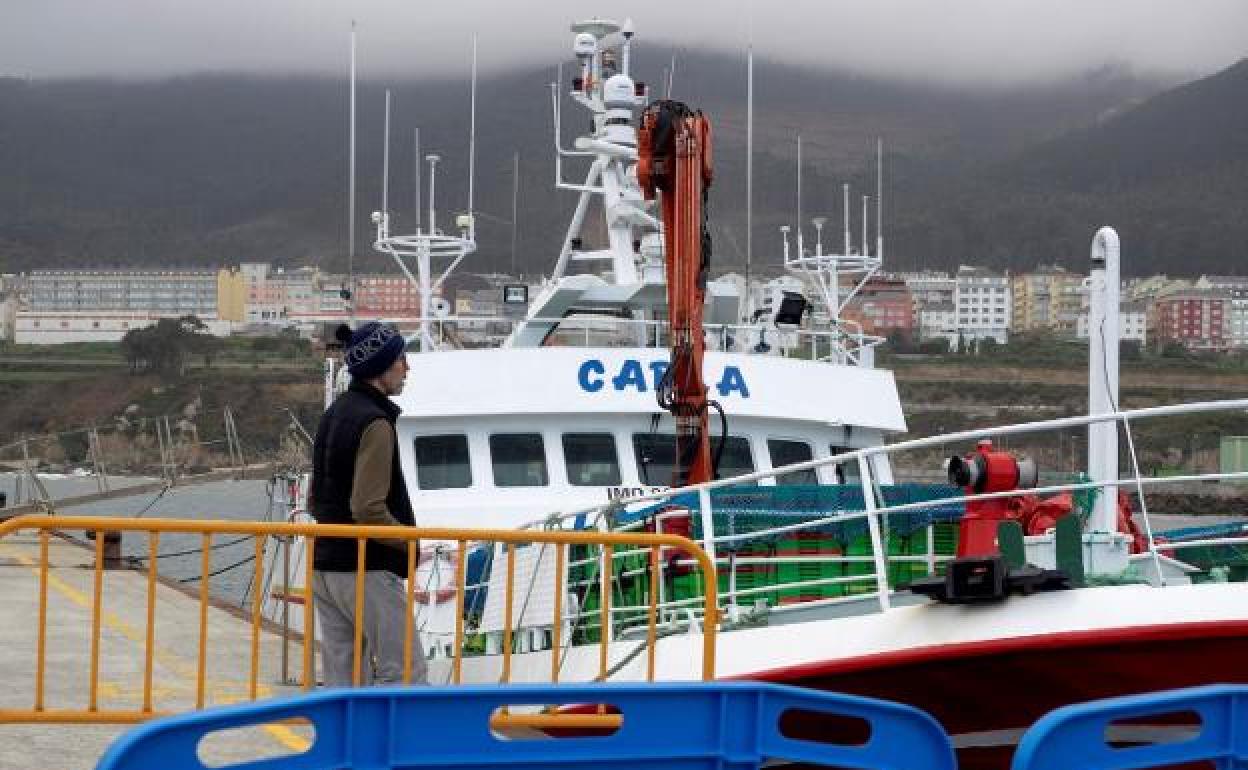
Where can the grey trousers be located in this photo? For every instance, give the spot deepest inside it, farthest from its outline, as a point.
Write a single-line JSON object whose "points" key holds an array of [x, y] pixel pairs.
{"points": [[385, 629]]}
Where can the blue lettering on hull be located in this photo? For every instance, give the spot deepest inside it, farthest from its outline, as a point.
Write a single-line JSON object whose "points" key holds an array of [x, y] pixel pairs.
{"points": [[592, 377]]}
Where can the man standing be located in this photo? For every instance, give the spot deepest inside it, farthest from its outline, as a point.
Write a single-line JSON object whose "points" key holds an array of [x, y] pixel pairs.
{"points": [[356, 479]]}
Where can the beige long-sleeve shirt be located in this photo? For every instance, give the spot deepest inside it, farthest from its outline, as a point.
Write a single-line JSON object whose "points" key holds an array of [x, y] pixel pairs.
{"points": [[371, 480]]}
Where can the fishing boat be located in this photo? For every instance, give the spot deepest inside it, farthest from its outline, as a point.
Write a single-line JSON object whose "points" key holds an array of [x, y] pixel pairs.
{"points": [[985, 601], [574, 423]]}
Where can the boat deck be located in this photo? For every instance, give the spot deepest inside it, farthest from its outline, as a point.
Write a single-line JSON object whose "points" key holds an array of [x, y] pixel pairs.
{"points": [[123, 632]]}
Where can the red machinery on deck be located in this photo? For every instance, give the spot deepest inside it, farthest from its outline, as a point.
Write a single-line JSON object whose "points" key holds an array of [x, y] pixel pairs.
{"points": [[988, 470], [674, 157]]}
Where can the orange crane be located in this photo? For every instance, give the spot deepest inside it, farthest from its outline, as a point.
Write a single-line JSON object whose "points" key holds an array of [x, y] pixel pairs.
{"points": [[674, 157]]}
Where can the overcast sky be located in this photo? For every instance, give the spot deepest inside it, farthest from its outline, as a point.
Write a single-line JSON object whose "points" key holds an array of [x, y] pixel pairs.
{"points": [[955, 40]]}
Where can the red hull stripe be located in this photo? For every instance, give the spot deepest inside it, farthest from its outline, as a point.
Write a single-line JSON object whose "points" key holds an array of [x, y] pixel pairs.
{"points": [[1108, 637]]}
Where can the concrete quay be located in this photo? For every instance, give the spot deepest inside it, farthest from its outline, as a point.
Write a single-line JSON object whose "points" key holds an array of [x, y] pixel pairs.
{"points": [[121, 660]]}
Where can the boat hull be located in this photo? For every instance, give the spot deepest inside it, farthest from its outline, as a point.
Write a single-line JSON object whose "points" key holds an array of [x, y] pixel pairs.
{"points": [[987, 693]]}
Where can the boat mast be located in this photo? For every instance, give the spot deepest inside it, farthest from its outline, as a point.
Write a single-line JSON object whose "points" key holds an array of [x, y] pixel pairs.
{"points": [[879, 198], [800, 249], [385, 161], [472, 143], [425, 247], [866, 199], [845, 201], [416, 175], [350, 290], [515, 194], [749, 171]]}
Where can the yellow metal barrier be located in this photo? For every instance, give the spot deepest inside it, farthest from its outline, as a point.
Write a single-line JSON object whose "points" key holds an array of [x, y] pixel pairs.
{"points": [[94, 712]]}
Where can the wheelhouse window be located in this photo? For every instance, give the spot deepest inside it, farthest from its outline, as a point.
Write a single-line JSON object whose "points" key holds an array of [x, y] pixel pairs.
{"points": [[442, 462], [656, 457], [591, 459], [785, 452], [736, 458], [518, 460]]}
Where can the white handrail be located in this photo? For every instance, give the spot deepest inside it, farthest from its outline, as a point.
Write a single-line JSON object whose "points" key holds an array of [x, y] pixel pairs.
{"points": [[947, 438], [874, 515]]}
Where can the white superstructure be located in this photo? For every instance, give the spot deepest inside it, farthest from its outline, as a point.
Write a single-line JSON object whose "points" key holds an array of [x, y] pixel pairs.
{"points": [[562, 415], [489, 437]]}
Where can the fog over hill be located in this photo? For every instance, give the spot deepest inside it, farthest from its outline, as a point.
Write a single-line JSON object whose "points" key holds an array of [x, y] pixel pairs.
{"points": [[216, 169]]}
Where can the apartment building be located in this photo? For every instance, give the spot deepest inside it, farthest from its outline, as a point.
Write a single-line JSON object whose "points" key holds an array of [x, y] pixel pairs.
{"points": [[939, 321], [1049, 298], [390, 296], [164, 293], [883, 306], [982, 299], [103, 305], [928, 288], [1237, 319], [1132, 322], [1197, 319]]}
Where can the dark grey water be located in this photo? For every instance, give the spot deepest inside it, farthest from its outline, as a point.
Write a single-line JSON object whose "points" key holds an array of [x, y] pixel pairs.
{"points": [[233, 500]]}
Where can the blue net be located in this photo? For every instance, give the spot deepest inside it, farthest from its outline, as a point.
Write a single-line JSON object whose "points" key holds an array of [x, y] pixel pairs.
{"points": [[745, 510], [1227, 529]]}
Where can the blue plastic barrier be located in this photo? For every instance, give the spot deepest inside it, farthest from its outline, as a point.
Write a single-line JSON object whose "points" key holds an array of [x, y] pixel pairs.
{"points": [[728, 726], [1074, 737]]}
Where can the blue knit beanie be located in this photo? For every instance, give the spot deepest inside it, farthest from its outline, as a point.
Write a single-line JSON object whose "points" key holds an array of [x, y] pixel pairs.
{"points": [[371, 348]]}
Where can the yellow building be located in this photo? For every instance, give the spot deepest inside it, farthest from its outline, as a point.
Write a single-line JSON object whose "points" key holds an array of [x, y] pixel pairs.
{"points": [[1049, 298], [231, 295]]}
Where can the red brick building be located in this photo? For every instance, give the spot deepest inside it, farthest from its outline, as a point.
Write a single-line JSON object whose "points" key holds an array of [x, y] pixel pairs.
{"points": [[883, 306], [386, 296], [1194, 318]]}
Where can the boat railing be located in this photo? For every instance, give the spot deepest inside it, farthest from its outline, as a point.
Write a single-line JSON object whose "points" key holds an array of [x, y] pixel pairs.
{"points": [[126, 604], [844, 342], [697, 501]]}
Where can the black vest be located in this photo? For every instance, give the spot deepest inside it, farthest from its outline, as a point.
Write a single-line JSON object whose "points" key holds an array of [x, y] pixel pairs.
{"points": [[333, 471]]}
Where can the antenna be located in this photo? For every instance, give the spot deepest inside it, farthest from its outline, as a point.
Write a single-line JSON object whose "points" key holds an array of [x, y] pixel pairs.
{"points": [[879, 198], [671, 75], [416, 173], [472, 142], [845, 195], [515, 194], [385, 161], [749, 166], [865, 200], [627, 32], [351, 192], [800, 250], [433, 174]]}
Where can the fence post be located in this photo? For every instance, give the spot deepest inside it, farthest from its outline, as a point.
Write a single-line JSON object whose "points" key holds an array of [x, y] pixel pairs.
{"points": [[36, 485], [97, 460]]}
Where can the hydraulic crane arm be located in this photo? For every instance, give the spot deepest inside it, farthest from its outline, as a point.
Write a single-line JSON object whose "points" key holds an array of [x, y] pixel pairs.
{"points": [[674, 158]]}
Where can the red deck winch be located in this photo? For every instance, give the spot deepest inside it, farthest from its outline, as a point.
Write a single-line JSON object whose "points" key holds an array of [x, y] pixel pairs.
{"points": [[987, 470], [984, 471]]}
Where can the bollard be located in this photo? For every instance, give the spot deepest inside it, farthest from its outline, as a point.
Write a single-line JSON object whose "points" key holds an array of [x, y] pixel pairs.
{"points": [[112, 549]]}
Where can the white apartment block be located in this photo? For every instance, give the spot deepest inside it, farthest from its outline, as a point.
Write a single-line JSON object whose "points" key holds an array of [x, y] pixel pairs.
{"points": [[1132, 322], [1237, 319], [928, 288], [982, 300], [1227, 282], [8, 315], [168, 293], [35, 328], [939, 320]]}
